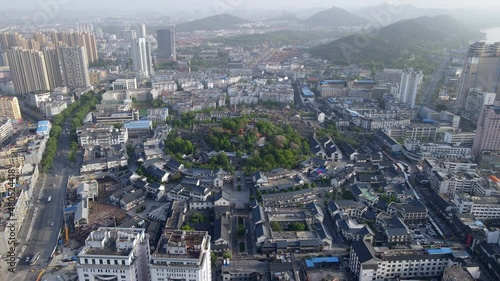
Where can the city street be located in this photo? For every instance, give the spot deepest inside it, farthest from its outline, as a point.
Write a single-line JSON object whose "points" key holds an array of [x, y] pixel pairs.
{"points": [[40, 231]]}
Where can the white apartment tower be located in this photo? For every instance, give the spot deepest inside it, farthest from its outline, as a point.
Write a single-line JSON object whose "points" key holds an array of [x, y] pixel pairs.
{"points": [[181, 255], [75, 67], [141, 57], [118, 254], [409, 86]]}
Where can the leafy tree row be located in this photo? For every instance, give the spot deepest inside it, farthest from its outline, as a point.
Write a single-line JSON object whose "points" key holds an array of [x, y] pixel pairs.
{"points": [[86, 103]]}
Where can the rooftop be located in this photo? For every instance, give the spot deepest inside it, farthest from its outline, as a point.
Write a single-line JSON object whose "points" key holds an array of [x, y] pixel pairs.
{"points": [[182, 244]]}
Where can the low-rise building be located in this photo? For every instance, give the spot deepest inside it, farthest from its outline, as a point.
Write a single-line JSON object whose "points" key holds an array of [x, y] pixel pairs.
{"points": [[482, 208], [369, 264], [43, 128], [114, 254], [101, 135]]}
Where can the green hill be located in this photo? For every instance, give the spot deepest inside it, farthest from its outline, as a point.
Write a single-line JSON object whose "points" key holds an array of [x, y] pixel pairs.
{"points": [[377, 14], [334, 17], [387, 46], [217, 22]]}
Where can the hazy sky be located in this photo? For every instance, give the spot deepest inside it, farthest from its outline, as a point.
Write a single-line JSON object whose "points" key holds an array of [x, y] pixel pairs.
{"points": [[164, 5]]}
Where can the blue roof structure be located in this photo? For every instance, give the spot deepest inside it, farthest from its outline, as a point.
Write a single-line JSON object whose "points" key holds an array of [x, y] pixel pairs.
{"points": [[310, 263], [306, 92], [141, 124], [326, 82], [43, 126], [440, 251]]}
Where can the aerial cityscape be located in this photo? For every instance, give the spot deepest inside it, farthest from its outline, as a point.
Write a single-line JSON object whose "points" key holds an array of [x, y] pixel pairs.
{"points": [[232, 140]]}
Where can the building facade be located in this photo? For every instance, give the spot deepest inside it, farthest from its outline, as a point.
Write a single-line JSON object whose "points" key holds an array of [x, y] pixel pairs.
{"points": [[75, 67], [166, 45], [28, 70], [9, 107], [409, 87], [486, 147], [141, 57]]}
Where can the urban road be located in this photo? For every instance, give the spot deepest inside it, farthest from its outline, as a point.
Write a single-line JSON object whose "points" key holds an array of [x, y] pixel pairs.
{"points": [[44, 221]]}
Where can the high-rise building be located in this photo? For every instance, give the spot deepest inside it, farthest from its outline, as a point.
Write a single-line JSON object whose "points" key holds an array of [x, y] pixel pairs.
{"points": [[83, 39], [53, 68], [28, 70], [141, 30], [141, 57], [166, 45], [486, 147], [476, 99], [409, 86], [181, 255], [88, 28], [9, 107], [75, 67], [114, 254], [129, 35], [8, 40], [481, 70], [6, 129]]}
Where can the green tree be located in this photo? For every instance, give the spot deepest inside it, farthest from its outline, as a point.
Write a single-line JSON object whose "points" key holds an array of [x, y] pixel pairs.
{"points": [[213, 258], [227, 255], [297, 226], [186, 227], [276, 226]]}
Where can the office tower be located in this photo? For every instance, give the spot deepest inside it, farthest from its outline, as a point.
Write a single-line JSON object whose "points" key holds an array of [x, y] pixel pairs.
{"points": [[181, 255], [129, 35], [166, 45], [9, 107], [141, 30], [141, 57], [75, 67], [486, 147], [476, 99], [114, 254], [481, 70], [28, 70], [88, 28], [53, 68], [409, 86]]}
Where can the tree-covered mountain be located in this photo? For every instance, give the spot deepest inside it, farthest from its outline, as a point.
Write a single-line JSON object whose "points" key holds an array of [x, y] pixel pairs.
{"points": [[385, 14], [387, 45], [217, 22], [334, 17]]}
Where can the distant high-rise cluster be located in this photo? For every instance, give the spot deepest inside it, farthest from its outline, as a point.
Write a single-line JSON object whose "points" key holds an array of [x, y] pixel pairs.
{"points": [[40, 64], [478, 98], [481, 70], [166, 45]]}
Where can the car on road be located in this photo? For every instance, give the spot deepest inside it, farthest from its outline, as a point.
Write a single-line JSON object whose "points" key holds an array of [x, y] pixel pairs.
{"points": [[27, 259], [52, 224]]}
